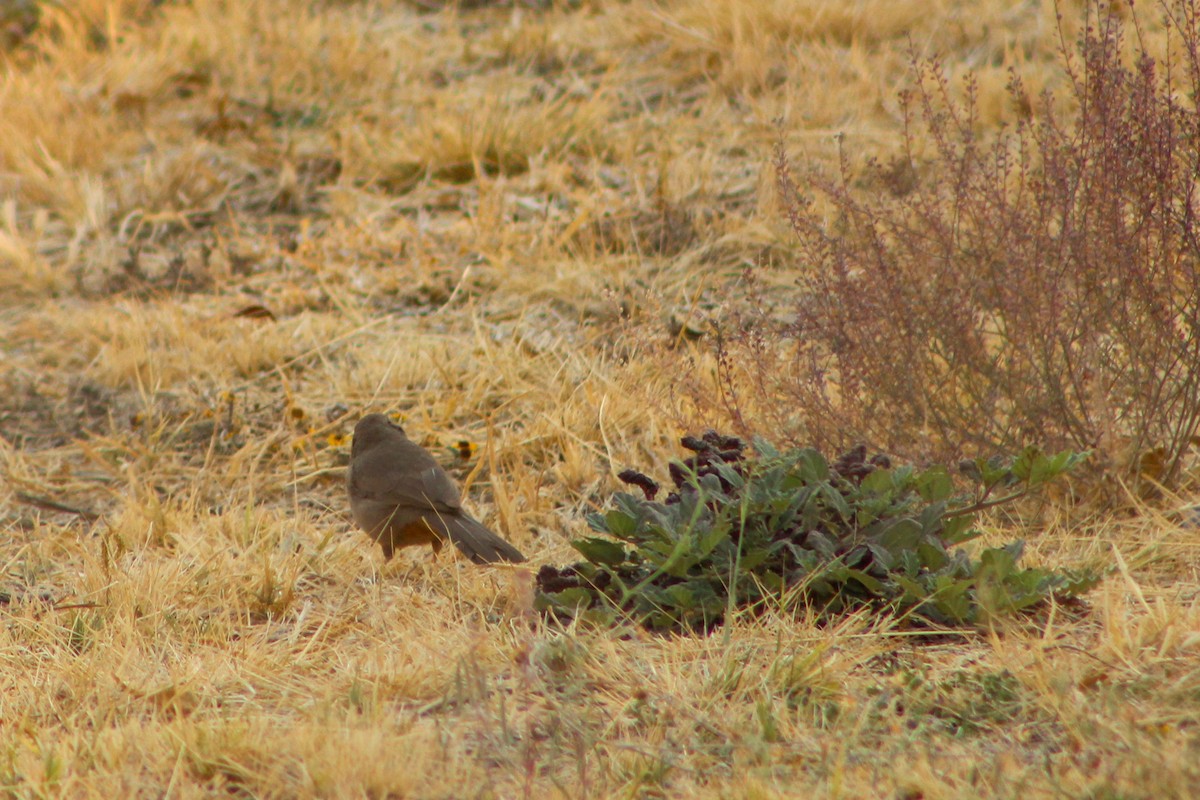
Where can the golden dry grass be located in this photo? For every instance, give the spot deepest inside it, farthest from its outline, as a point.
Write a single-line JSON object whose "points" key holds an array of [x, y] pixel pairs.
{"points": [[481, 218]]}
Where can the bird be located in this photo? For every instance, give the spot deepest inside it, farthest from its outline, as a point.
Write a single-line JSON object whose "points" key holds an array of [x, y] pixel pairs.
{"points": [[401, 497]]}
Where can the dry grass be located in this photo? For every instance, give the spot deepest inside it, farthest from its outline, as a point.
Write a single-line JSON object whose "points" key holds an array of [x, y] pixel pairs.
{"points": [[482, 218]]}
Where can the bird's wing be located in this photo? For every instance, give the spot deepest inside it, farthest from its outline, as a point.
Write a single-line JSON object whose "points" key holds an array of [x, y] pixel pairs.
{"points": [[389, 483], [439, 491]]}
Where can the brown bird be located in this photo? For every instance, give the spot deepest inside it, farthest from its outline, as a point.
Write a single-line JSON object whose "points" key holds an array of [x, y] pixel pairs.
{"points": [[401, 497]]}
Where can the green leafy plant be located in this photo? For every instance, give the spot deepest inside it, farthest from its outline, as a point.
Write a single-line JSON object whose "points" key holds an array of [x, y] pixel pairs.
{"points": [[742, 530]]}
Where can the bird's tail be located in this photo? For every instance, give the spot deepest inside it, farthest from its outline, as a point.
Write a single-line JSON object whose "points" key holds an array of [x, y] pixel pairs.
{"points": [[477, 542]]}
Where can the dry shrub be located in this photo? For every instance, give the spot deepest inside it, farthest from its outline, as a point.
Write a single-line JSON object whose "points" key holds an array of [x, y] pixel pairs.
{"points": [[1039, 288]]}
